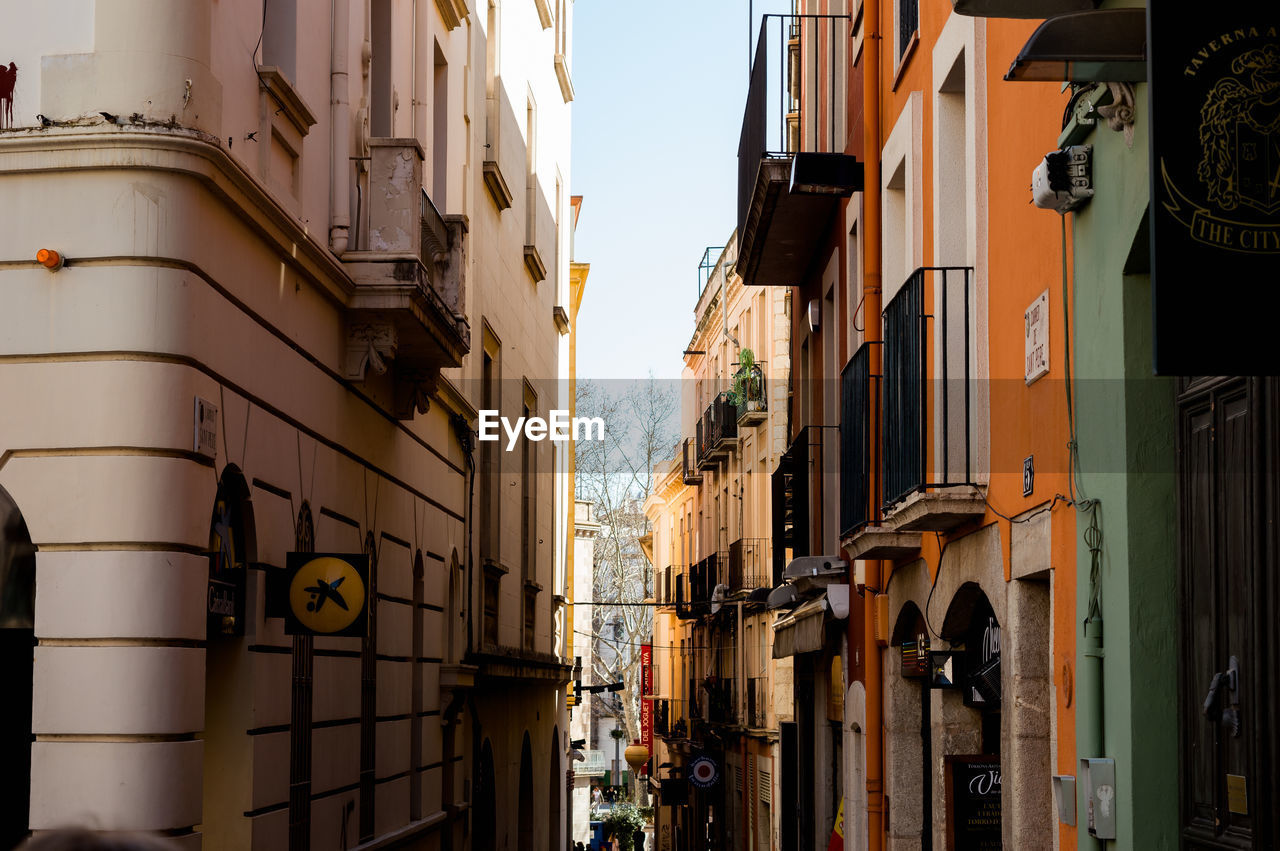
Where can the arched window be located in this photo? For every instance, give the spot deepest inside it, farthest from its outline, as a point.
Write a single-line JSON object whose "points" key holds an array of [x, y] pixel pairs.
{"points": [[17, 654], [229, 545]]}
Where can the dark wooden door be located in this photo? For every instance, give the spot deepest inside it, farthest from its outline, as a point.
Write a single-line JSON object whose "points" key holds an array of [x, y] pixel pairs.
{"points": [[1228, 450]]}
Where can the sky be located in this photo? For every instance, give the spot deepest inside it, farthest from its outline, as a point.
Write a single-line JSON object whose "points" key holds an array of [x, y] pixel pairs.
{"points": [[659, 90]]}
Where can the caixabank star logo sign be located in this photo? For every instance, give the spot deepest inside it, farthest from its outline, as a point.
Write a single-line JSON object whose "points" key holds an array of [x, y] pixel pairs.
{"points": [[1238, 172], [327, 593], [1215, 187]]}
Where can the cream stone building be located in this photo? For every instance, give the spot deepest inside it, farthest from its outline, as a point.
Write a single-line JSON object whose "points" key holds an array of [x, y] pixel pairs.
{"points": [[721, 693], [261, 263]]}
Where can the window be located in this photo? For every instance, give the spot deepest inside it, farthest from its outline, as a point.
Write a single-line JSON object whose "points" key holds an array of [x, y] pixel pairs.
{"points": [[280, 37], [908, 23], [528, 494], [380, 105], [492, 584], [490, 453], [440, 132], [530, 615]]}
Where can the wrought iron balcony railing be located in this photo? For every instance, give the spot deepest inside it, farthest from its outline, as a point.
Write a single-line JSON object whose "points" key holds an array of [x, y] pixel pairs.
{"points": [[689, 457], [797, 506], [856, 400], [750, 564], [923, 405], [718, 431]]}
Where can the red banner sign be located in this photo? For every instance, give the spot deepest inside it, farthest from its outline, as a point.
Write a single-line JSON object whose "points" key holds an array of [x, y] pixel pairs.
{"points": [[646, 701]]}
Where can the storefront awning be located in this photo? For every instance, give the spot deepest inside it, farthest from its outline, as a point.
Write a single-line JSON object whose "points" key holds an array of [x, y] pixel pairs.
{"points": [[802, 630]]}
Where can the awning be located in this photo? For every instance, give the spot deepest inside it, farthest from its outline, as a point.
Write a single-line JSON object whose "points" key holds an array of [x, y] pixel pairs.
{"points": [[801, 631], [1032, 9], [1100, 46]]}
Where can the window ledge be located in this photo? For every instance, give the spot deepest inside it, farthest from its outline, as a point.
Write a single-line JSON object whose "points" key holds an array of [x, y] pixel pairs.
{"points": [[282, 91], [533, 262], [562, 74], [452, 12], [544, 13], [494, 568], [905, 60], [497, 185]]}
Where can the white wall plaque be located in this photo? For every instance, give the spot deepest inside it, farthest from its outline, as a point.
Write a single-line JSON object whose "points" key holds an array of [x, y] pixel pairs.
{"points": [[1036, 324], [206, 431]]}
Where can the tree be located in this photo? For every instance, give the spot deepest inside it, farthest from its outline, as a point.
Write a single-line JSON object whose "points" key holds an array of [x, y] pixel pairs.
{"points": [[616, 474]]}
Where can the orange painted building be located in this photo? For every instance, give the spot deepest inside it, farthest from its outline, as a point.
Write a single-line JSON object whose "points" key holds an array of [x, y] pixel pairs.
{"points": [[929, 423]]}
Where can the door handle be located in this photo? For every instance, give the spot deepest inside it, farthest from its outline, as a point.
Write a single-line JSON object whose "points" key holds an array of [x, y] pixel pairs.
{"points": [[1223, 708]]}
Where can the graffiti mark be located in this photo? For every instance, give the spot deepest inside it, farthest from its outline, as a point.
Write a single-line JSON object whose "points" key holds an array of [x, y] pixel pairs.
{"points": [[8, 80]]}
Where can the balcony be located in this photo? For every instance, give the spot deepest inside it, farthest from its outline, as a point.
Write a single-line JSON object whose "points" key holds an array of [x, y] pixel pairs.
{"points": [[923, 412], [665, 581], [791, 174], [797, 498], [750, 564], [717, 432], [749, 395], [409, 305], [860, 538], [689, 457], [722, 700]]}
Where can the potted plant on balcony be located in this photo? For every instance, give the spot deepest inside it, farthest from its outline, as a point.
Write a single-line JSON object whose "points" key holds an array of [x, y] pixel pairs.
{"points": [[746, 393]]}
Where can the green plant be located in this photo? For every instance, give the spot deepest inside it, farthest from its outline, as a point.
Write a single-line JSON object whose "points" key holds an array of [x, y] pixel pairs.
{"points": [[746, 384], [617, 733], [622, 822]]}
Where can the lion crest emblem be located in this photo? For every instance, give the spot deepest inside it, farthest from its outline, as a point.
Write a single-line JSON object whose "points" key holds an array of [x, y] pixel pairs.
{"points": [[1240, 134]]}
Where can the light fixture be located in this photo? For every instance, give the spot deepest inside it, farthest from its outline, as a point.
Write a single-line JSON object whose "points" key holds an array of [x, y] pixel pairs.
{"points": [[49, 259], [815, 314]]}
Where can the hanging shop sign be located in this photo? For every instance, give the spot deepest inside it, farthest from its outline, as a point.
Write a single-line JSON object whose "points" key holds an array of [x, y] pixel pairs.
{"points": [[703, 772], [327, 593], [646, 702], [1215, 186], [973, 802], [982, 683]]}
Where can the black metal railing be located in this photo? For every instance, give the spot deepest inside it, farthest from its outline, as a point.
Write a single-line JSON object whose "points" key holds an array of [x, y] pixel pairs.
{"points": [[906, 383], [757, 702], [794, 498], [661, 716], [749, 395], [750, 564], [783, 115], [721, 700], [717, 430], [855, 441], [689, 457], [683, 587]]}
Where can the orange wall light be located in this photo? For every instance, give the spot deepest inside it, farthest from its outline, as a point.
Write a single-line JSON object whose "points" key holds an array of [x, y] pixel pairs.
{"points": [[49, 259]]}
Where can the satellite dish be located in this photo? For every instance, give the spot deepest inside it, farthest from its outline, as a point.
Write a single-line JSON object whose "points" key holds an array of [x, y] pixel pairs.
{"points": [[717, 597]]}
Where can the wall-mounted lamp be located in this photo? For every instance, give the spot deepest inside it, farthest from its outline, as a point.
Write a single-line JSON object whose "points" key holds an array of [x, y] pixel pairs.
{"points": [[49, 259], [815, 314]]}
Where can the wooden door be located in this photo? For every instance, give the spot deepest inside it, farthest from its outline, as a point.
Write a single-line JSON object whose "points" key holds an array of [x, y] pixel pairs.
{"points": [[1228, 450]]}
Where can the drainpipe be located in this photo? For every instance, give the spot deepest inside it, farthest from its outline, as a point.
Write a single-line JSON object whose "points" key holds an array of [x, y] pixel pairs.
{"points": [[339, 131], [871, 301]]}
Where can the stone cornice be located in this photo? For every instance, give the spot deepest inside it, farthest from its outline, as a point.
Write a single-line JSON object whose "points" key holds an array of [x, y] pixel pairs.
{"points": [[189, 153]]}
